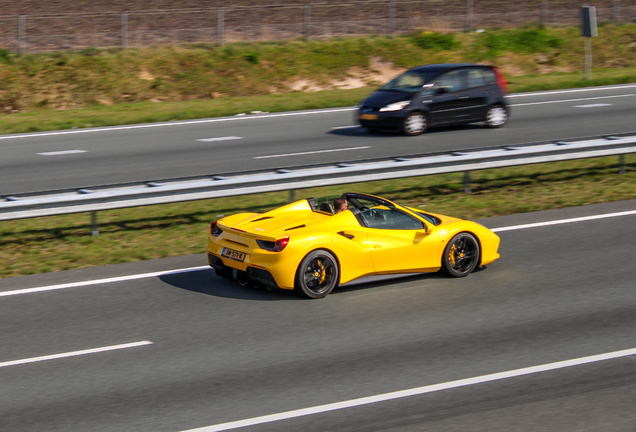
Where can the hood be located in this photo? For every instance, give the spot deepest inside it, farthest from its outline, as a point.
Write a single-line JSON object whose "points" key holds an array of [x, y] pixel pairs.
{"points": [[382, 98]]}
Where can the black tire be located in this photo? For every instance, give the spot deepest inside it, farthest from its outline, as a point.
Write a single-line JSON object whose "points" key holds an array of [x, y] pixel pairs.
{"points": [[415, 123], [461, 255], [317, 275], [497, 116]]}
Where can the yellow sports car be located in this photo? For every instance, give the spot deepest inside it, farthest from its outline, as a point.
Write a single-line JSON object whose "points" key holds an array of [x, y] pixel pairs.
{"points": [[309, 247]]}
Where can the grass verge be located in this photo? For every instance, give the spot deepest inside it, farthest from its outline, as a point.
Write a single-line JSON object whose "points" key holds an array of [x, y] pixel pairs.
{"points": [[64, 242]]}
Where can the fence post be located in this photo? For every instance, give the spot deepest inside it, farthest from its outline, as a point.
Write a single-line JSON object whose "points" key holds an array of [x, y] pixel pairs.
{"points": [[94, 227], [469, 15], [466, 182], [543, 14], [124, 30], [391, 18], [616, 12], [21, 35], [219, 27], [307, 26]]}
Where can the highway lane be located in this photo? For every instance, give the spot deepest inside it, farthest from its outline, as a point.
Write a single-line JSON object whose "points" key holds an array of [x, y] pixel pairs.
{"points": [[222, 353], [89, 157]]}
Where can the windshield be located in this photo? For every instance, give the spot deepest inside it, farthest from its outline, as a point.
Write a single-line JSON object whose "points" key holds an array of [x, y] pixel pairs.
{"points": [[409, 82]]}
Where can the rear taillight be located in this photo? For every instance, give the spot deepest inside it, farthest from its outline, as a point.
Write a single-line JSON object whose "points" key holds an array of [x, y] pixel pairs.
{"points": [[501, 80], [281, 243], [215, 230]]}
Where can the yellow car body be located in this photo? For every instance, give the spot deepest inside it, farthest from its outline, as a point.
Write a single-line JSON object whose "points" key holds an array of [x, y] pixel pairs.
{"points": [[304, 246]]}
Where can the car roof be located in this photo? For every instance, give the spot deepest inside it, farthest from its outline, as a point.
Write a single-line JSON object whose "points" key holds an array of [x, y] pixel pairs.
{"points": [[442, 67]]}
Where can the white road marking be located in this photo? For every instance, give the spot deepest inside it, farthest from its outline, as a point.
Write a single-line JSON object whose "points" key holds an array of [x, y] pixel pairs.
{"points": [[569, 100], [564, 221], [61, 152], [192, 269], [592, 105], [578, 90], [227, 138], [100, 281], [346, 127], [176, 123], [74, 353], [312, 152], [414, 391]]}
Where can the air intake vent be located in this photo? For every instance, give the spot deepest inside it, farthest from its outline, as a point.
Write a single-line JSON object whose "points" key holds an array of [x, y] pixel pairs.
{"points": [[296, 227], [263, 218]]}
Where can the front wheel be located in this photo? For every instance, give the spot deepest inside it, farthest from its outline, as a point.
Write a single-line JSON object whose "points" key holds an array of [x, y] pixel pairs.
{"points": [[317, 274], [497, 116], [415, 124], [461, 255]]}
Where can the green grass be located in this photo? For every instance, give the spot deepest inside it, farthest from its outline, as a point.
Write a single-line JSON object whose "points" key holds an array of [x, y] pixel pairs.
{"points": [[65, 242]]}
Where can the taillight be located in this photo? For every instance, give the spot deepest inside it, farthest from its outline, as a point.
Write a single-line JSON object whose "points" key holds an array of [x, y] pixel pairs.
{"points": [[501, 80], [215, 230], [281, 243]]}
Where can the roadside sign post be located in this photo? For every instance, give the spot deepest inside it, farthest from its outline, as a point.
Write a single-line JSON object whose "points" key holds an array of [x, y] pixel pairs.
{"points": [[589, 30]]}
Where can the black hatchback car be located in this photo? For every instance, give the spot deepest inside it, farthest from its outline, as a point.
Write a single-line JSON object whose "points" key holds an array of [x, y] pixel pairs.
{"points": [[435, 95]]}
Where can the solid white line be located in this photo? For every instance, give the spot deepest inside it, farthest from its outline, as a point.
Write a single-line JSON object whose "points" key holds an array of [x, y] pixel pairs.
{"points": [[227, 138], [312, 152], [176, 123], [346, 127], [564, 221], [592, 105], [569, 100], [62, 152], [413, 392], [578, 90], [100, 281], [74, 353]]}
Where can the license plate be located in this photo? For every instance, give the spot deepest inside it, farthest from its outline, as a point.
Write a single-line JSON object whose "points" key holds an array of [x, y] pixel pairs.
{"points": [[232, 254], [368, 116]]}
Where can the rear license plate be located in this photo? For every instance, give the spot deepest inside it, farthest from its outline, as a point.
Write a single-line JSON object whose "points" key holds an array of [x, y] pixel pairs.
{"points": [[232, 254], [368, 116]]}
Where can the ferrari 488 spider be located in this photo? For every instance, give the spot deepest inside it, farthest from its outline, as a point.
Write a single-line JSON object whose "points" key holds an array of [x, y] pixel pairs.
{"points": [[306, 247]]}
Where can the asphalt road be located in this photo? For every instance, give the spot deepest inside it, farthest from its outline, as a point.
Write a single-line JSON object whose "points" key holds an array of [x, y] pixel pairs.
{"points": [[211, 352], [92, 157]]}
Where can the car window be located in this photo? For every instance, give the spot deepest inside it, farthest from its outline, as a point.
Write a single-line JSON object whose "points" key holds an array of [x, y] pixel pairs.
{"points": [[410, 81], [383, 217], [453, 80], [476, 77]]}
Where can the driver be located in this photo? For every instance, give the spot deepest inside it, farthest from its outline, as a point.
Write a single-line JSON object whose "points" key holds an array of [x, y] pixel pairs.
{"points": [[339, 205]]}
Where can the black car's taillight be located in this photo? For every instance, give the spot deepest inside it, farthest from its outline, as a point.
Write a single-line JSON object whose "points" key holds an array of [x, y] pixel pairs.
{"points": [[501, 80], [215, 230]]}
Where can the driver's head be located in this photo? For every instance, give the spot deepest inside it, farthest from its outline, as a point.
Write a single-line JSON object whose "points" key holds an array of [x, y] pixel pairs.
{"points": [[340, 204]]}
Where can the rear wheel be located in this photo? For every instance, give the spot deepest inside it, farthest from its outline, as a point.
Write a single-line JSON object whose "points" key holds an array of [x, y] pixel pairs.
{"points": [[461, 255], [415, 123], [317, 274], [496, 116]]}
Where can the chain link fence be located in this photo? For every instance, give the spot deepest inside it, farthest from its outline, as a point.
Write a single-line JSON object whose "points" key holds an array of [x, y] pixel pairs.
{"points": [[142, 28]]}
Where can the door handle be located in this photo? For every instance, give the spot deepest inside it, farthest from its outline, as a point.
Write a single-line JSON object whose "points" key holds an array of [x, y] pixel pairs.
{"points": [[344, 234], [377, 246]]}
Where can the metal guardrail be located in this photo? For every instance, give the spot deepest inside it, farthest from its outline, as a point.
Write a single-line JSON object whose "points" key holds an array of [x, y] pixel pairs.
{"points": [[180, 190]]}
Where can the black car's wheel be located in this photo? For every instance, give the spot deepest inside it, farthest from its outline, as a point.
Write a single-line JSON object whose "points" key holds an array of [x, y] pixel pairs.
{"points": [[461, 255], [317, 274], [415, 123], [497, 116]]}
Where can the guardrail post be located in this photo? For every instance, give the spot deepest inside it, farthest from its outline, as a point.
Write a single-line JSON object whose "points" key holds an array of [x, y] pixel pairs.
{"points": [[307, 26], [124, 30], [466, 182], [292, 196], [94, 227], [21, 35], [219, 27], [621, 164]]}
